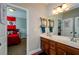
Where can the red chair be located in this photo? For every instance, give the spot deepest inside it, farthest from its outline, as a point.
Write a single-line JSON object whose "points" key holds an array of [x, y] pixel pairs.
{"points": [[13, 37]]}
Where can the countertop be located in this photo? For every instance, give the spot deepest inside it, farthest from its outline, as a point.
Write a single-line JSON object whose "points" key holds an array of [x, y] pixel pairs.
{"points": [[62, 39]]}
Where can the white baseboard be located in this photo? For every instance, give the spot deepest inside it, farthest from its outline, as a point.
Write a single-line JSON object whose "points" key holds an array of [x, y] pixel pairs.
{"points": [[33, 51]]}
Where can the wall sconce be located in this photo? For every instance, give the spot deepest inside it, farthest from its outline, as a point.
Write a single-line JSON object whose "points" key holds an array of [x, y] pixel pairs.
{"points": [[51, 23], [43, 22], [11, 9], [61, 8]]}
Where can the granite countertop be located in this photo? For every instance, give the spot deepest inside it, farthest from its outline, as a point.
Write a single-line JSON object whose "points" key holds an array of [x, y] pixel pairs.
{"points": [[61, 39]]}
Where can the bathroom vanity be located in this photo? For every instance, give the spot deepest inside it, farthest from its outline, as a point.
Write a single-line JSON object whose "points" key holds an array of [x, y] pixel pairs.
{"points": [[58, 45]]}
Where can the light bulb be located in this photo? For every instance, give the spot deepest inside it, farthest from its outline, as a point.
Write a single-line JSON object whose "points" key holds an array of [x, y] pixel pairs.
{"points": [[11, 9], [55, 11], [66, 9], [64, 6], [59, 9]]}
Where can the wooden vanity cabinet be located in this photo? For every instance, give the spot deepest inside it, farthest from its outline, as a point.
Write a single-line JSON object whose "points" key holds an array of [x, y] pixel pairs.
{"points": [[55, 48]]}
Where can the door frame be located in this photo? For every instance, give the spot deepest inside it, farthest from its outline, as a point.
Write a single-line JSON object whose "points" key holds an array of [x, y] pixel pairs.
{"points": [[27, 22]]}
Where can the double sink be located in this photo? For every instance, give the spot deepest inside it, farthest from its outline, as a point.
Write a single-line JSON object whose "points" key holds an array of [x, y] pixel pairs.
{"points": [[74, 42]]}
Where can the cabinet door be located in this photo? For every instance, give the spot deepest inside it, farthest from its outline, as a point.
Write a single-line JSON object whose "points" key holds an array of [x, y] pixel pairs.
{"points": [[61, 51], [46, 47], [52, 52]]}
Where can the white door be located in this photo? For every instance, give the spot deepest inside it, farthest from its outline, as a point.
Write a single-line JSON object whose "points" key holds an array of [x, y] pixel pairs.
{"points": [[67, 27], [76, 27], [3, 31], [3, 40]]}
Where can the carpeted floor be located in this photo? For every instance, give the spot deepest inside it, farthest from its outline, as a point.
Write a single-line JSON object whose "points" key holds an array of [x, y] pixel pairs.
{"points": [[19, 49]]}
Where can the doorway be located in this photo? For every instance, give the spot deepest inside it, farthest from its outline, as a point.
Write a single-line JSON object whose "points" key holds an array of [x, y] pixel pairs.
{"points": [[16, 30]]}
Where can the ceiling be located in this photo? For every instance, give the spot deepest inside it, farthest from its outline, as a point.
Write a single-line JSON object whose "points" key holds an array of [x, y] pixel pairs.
{"points": [[73, 5]]}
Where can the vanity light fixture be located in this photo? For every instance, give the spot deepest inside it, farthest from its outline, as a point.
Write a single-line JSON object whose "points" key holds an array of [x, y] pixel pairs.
{"points": [[54, 11], [61, 8], [64, 6]]}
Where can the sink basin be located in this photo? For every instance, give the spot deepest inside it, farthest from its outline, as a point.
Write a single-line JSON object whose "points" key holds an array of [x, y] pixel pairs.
{"points": [[76, 40], [62, 39]]}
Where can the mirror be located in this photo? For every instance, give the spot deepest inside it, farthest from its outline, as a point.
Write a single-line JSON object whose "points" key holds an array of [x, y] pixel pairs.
{"points": [[59, 27], [67, 23], [50, 25]]}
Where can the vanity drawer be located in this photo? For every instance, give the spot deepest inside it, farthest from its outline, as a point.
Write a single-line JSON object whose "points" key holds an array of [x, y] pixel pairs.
{"points": [[45, 40], [62, 46], [73, 51]]}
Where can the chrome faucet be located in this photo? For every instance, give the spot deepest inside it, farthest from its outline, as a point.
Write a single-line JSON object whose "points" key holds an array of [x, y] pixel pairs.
{"points": [[73, 39], [48, 34]]}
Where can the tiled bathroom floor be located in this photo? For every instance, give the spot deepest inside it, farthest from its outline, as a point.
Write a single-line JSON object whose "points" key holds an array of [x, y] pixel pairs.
{"points": [[19, 49]]}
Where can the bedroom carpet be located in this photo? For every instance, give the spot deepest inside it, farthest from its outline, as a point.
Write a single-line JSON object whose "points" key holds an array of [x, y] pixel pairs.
{"points": [[19, 49]]}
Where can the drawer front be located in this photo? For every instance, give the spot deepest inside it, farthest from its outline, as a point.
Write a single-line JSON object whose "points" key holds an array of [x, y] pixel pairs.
{"points": [[45, 40], [62, 46], [73, 51]]}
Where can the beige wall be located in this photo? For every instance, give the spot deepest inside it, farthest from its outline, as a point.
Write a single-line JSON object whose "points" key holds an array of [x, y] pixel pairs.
{"points": [[35, 11]]}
